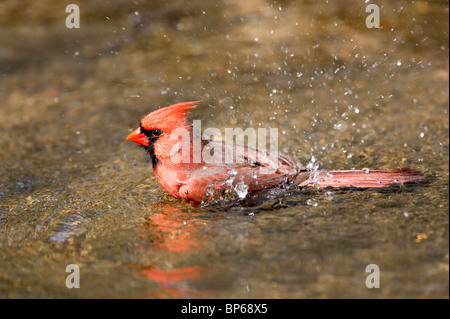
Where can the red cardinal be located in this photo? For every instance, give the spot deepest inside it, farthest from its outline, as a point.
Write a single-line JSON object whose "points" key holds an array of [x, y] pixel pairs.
{"points": [[168, 138]]}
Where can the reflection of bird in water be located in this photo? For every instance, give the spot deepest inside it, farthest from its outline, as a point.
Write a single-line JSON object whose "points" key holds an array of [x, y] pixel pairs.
{"points": [[174, 233], [180, 233], [171, 279]]}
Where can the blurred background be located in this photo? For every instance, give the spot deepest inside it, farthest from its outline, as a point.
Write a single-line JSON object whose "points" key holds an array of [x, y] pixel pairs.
{"points": [[342, 96]]}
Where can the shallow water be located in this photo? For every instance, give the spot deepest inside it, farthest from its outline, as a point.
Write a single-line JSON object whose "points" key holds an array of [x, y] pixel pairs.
{"points": [[73, 191]]}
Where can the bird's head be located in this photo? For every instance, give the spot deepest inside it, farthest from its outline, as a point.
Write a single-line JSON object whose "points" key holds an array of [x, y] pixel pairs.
{"points": [[155, 128]]}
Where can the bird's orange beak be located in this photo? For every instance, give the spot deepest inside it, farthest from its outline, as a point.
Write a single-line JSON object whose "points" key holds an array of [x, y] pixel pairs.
{"points": [[138, 137]]}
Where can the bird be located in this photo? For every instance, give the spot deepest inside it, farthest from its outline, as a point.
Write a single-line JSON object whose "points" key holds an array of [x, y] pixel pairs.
{"points": [[181, 160]]}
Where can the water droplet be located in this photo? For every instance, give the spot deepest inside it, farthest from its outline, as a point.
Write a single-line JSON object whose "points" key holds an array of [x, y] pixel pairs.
{"points": [[312, 202], [227, 102], [340, 126], [329, 195]]}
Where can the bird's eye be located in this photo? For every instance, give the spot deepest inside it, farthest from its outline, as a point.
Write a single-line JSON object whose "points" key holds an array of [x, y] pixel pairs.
{"points": [[151, 134]]}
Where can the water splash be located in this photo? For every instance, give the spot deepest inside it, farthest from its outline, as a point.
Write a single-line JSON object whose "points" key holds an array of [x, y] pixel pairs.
{"points": [[241, 190], [312, 202], [312, 165]]}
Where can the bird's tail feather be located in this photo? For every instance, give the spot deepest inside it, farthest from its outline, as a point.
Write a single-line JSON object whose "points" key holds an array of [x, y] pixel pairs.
{"points": [[361, 178]]}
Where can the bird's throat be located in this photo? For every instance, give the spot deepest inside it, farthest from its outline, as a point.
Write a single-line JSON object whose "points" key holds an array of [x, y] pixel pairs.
{"points": [[150, 149]]}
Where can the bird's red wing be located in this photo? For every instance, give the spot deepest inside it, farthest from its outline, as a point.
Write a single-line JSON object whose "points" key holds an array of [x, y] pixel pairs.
{"points": [[237, 182], [251, 170], [234, 155]]}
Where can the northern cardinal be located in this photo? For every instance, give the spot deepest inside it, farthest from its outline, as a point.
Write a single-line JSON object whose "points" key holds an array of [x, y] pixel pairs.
{"points": [[168, 138]]}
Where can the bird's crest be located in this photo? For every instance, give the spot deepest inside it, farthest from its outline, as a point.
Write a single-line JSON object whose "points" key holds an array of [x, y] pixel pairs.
{"points": [[170, 117]]}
